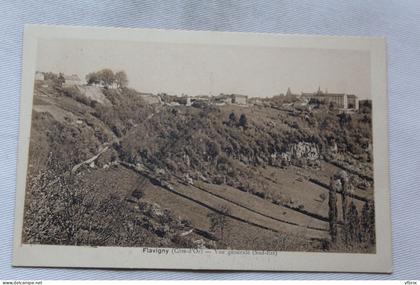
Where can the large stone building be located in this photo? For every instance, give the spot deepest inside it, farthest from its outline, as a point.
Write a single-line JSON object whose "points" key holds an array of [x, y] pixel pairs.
{"points": [[341, 100], [352, 101]]}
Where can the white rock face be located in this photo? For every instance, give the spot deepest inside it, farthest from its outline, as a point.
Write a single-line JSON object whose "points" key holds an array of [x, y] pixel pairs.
{"points": [[304, 150], [300, 154], [94, 93]]}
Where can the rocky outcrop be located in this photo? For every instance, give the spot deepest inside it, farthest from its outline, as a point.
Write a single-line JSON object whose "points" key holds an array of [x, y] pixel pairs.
{"points": [[304, 150], [94, 93], [302, 154]]}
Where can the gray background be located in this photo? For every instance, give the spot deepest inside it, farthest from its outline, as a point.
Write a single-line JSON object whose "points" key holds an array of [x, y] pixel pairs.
{"points": [[398, 21]]}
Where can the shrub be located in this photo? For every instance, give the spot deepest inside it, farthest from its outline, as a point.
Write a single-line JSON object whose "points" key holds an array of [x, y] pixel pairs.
{"points": [[243, 121], [232, 119], [322, 196], [138, 193]]}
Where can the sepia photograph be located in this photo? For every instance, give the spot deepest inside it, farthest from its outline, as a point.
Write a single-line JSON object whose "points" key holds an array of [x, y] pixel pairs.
{"points": [[212, 144]]}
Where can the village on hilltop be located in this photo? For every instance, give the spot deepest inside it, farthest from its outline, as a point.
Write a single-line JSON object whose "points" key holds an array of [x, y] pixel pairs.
{"points": [[342, 101]]}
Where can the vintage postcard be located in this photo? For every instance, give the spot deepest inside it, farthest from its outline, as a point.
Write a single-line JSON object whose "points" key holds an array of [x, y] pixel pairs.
{"points": [[202, 150]]}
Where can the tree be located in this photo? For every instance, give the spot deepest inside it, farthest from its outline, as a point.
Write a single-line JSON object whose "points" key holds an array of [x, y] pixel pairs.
{"points": [[213, 149], [232, 119], [92, 78], [219, 221], [344, 179], [344, 119], [364, 222], [367, 223], [121, 79], [332, 211], [243, 121], [107, 77], [60, 79], [352, 225], [372, 235]]}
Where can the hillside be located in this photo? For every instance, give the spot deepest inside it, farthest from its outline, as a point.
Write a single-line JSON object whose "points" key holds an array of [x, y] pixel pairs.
{"points": [[125, 172]]}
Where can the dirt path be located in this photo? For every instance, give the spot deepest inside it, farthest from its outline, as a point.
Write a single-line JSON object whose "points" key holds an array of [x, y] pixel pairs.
{"points": [[90, 160]]}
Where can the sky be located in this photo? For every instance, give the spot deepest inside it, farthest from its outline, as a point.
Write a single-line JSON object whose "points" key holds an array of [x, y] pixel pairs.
{"points": [[197, 69]]}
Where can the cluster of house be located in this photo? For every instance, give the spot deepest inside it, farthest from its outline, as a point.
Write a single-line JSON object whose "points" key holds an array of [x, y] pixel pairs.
{"points": [[341, 100], [69, 80], [222, 99]]}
